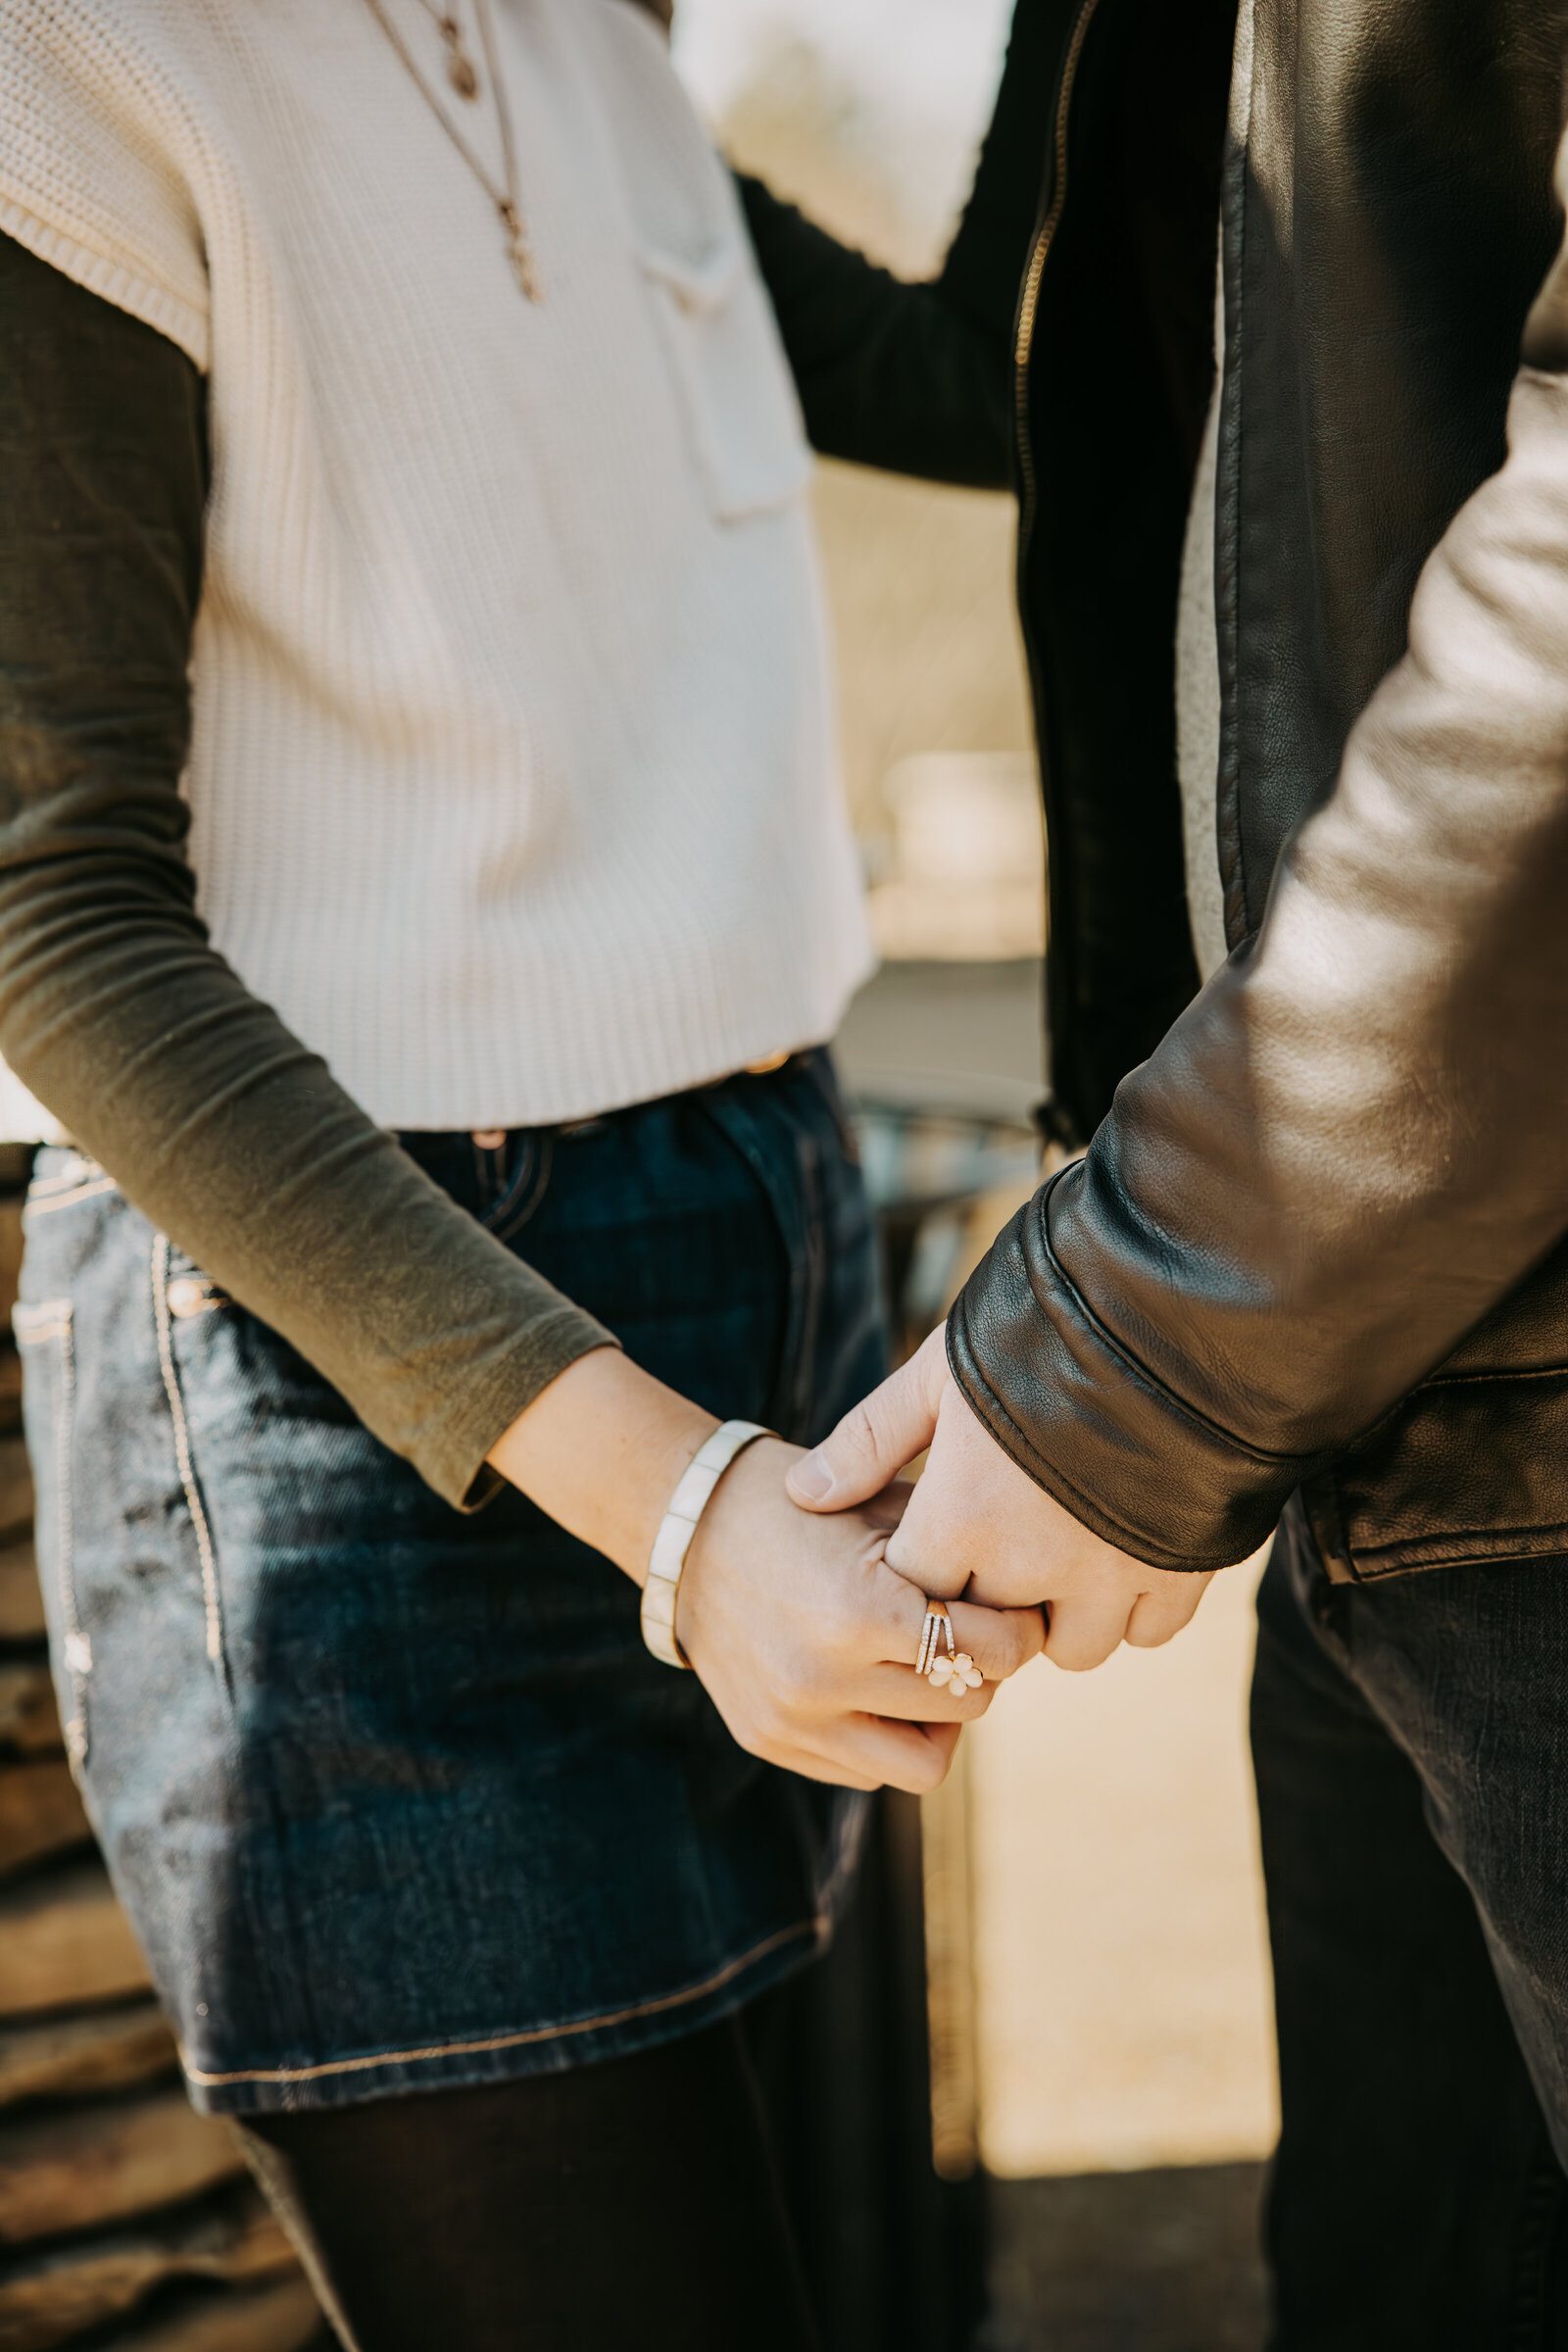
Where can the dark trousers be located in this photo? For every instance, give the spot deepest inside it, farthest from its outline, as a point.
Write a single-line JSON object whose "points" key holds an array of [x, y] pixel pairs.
{"points": [[634, 2203], [1410, 1743]]}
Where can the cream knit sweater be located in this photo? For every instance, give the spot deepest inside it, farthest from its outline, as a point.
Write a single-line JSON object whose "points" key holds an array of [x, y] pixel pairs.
{"points": [[513, 783]]}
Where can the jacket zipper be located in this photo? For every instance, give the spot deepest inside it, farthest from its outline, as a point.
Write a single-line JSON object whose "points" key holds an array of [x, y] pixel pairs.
{"points": [[1044, 238]]}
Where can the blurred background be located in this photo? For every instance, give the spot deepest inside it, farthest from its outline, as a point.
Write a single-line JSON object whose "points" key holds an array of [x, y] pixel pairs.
{"points": [[1099, 2003]]}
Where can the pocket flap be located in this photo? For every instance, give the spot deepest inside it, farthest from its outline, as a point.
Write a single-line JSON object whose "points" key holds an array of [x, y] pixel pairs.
{"points": [[698, 285], [717, 324]]}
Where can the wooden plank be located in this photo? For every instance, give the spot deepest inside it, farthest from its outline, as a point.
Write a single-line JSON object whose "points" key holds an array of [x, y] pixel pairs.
{"points": [[9, 1254], [103, 2159], [64, 1941], [283, 2318], [10, 1386], [29, 1718], [40, 1813], [52, 2298], [68, 2057], [21, 1617], [16, 1489]]}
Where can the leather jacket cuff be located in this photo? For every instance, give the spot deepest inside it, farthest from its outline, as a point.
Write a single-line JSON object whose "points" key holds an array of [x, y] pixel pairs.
{"points": [[1074, 1407]]}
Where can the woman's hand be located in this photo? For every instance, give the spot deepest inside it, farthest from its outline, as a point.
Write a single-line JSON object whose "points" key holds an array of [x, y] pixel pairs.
{"points": [[806, 1639], [803, 1637]]}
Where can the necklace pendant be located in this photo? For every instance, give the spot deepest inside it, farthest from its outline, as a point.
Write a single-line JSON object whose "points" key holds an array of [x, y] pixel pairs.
{"points": [[526, 270], [461, 71], [520, 253]]}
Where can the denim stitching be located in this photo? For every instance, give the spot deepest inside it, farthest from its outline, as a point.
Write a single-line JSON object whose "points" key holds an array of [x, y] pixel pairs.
{"points": [[817, 1928], [182, 1456], [52, 1320], [35, 1207], [78, 1170]]}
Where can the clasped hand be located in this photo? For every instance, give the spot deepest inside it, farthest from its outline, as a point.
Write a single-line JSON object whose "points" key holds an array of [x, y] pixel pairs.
{"points": [[805, 1584], [833, 1631], [804, 1635], [977, 1525]]}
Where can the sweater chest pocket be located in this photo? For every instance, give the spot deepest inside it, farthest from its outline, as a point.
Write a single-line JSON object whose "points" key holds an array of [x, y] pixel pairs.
{"points": [[743, 421]]}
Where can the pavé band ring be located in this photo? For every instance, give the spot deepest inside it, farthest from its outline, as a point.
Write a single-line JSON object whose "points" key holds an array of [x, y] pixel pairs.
{"points": [[951, 1670], [936, 1624]]}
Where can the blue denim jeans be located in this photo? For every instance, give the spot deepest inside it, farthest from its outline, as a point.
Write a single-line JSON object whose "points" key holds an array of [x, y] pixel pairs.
{"points": [[1410, 1741], [395, 1796]]}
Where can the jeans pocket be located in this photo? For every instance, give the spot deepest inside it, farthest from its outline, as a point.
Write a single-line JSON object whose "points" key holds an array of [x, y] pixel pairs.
{"points": [[46, 1339]]}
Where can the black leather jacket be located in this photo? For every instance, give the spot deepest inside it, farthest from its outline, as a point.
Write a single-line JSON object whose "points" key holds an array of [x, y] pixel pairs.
{"points": [[1318, 1237]]}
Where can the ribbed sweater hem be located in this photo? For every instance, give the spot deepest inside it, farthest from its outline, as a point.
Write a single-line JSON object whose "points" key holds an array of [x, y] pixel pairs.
{"points": [[100, 275]]}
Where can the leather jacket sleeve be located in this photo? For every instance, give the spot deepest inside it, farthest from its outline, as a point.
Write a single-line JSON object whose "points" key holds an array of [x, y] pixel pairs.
{"points": [[115, 1011], [1354, 1142]]}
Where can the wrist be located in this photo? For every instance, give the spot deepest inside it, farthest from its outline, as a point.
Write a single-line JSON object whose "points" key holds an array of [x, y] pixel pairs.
{"points": [[680, 1524], [602, 1449]]}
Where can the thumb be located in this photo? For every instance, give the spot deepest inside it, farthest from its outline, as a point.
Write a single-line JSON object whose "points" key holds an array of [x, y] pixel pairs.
{"points": [[873, 1444]]}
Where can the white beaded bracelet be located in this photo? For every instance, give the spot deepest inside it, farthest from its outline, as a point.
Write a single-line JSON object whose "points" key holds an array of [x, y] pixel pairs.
{"points": [[676, 1530]]}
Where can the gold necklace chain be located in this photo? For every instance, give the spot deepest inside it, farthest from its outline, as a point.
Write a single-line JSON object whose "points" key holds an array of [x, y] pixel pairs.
{"points": [[520, 251]]}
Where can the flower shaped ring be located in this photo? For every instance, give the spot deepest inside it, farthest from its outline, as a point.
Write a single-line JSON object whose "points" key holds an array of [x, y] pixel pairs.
{"points": [[955, 1673]]}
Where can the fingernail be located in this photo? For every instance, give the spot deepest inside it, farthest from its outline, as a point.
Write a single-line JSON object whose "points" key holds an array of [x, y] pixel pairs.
{"points": [[811, 1479]]}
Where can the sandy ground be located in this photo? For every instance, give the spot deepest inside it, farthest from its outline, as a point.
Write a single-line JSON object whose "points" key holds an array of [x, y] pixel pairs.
{"points": [[1121, 1966], [1127, 2261]]}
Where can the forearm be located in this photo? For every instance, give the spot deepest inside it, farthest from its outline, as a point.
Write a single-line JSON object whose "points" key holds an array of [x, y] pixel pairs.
{"points": [[1352, 1144], [602, 1449]]}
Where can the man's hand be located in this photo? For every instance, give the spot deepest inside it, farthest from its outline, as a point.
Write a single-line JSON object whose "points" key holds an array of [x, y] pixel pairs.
{"points": [[976, 1524]]}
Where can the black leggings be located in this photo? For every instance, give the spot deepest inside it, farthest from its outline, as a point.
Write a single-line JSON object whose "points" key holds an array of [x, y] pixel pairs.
{"points": [[633, 2204]]}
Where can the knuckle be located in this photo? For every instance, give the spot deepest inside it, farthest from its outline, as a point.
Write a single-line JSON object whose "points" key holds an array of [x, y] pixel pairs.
{"points": [[858, 1430], [1009, 1651], [1000, 1652]]}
